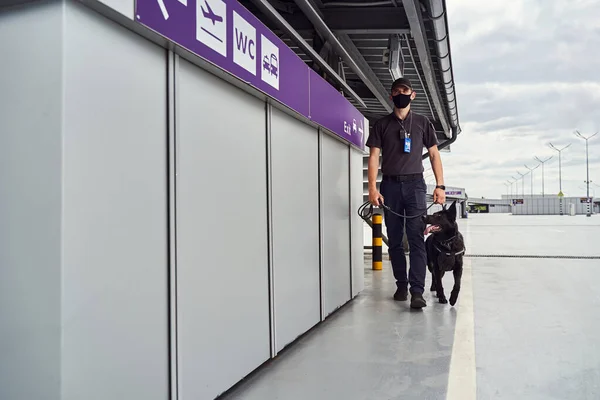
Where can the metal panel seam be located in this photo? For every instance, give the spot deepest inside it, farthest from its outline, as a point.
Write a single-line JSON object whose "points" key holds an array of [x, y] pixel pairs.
{"points": [[172, 222], [350, 219], [63, 178], [320, 194], [270, 269]]}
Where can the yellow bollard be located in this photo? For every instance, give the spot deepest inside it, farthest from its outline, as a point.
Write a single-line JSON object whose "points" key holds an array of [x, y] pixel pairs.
{"points": [[377, 242]]}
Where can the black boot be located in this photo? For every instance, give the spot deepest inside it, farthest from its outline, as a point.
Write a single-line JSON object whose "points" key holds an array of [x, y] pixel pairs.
{"points": [[401, 294], [417, 301]]}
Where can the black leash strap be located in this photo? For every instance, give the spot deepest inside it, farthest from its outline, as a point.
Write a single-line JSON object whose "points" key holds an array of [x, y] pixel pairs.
{"points": [[367, 205]]}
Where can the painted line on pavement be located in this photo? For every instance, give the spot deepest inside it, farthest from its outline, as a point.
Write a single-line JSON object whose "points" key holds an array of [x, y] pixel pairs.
{"points": [[462, 379]]}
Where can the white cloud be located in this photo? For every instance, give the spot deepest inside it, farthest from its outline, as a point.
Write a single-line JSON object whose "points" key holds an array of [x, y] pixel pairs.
{"points": [[526, 73]]}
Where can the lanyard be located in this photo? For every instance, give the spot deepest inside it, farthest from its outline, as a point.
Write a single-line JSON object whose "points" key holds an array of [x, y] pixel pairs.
{"points": [[407, 133]]}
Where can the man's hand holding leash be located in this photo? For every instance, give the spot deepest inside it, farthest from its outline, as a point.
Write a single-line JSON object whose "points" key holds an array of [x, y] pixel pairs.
{"points": [[375, 198]]}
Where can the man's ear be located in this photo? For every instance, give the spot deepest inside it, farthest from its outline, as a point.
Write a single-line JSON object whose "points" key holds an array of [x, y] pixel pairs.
{"points": [[413, 95]]}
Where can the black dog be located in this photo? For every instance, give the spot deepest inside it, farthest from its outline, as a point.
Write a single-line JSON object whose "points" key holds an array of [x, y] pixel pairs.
{"points": [[445, 250]]}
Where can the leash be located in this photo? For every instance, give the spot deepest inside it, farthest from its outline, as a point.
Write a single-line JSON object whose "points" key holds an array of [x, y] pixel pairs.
{"points": [[369, 214]]}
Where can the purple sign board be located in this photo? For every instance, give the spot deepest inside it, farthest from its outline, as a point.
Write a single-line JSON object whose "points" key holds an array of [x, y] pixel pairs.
{"points": [[333, 111], [226, 34]]}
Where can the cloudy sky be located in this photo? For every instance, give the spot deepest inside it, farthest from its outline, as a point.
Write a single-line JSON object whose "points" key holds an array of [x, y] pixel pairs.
{"points": [[527, 73]]}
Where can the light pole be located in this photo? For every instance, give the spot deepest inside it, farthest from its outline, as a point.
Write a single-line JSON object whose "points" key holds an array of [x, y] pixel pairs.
{"points": [[560, 193], [542, 162], [506, 184], [516, 185], [559, 163], [510, 201], [531, 185], [510, 183], [587, 167], [522, 182], [531, 171], [523, 185]]}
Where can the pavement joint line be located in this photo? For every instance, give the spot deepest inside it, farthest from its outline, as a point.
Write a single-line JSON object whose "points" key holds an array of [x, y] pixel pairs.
{"points": [[368, 255], [532, 256]]}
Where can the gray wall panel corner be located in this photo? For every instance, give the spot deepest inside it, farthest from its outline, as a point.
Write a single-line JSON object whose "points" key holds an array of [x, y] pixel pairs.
{"points": [[223, 303], [336, 227], [30, 202], [115, 299], [295, 208], [357, 223]]}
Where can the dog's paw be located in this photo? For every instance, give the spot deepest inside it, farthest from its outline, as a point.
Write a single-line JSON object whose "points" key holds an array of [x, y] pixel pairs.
{"points": [[453, 298], [443, 300]]}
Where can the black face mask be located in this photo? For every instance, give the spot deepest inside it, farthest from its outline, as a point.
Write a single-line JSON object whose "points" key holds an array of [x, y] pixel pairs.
{"points": [[401, 100]]}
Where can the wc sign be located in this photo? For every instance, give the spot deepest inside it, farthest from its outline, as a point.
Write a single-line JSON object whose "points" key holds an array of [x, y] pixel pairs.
{"points": [[245, 52], [244, 45]]}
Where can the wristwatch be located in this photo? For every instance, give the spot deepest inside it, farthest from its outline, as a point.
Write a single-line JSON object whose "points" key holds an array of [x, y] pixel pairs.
{"points": [[441, 187]]}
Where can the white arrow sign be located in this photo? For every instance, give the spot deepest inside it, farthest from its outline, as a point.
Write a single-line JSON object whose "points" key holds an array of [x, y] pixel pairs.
{"points": [[163, 8]]}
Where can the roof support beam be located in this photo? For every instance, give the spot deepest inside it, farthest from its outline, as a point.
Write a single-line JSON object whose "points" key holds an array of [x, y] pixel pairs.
{"points": [[415, 19], [377, 20], [269, 11], [347, 51], [370, 78]]}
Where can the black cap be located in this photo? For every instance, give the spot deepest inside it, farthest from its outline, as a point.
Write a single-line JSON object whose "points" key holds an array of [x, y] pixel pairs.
{"points": [[401, 82]]}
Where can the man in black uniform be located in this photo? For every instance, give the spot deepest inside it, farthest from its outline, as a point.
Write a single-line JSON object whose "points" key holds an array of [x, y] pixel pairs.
{"points": [[400, 138]]}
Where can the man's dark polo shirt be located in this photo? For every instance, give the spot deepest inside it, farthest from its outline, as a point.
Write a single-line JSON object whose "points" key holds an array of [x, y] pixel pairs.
{"points": [[388, 135]]}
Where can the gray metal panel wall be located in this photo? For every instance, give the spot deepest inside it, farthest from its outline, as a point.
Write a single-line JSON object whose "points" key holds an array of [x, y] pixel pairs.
{"points": [[125, 7], [548, 206], [84, 183], [357, 223], [115, 300], [336, 227], [295, 216], [30, 202], [223, 290], [499, 209]]}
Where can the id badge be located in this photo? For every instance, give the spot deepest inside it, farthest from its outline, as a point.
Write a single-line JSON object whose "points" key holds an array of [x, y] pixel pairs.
{"points": [[407, 145]]}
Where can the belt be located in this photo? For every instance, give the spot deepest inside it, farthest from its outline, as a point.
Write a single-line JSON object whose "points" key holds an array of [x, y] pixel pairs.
{"points": [[402, 178]]}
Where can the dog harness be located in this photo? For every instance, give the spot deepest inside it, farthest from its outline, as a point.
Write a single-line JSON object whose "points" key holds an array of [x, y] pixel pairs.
{"points": [[446, 249]]}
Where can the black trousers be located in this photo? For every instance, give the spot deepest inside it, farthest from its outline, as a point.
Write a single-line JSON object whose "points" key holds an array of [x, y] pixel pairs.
{"points": [[407, 198]]}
